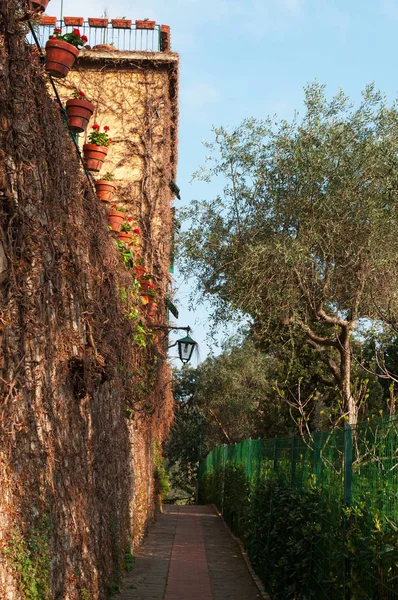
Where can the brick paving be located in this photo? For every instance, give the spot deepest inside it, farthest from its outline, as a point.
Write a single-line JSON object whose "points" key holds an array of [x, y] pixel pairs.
{"points": [[189, 554]]}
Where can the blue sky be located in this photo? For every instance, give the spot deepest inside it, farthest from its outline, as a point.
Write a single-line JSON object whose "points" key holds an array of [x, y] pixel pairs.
{"points": [[243, 58]]}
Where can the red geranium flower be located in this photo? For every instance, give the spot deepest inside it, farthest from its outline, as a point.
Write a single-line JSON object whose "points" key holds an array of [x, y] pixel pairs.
{"points": [[96, 127], [110, 140], [84, 38], [129, 219], [137, 231], [151, 287], [76, 32], [82, 94], [114, 205], [57, 30], [106, 128]]}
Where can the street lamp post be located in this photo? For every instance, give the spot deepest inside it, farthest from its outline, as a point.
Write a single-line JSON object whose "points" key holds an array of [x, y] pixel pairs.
{"points": [[199, 420], [186, 345]]}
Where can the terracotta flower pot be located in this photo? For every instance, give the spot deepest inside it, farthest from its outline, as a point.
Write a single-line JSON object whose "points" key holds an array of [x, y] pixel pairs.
{"points": [[74, 21], [79, 113], [152, 308], [139, 270], [115, 219], [41, 5], [145, 283], [46, 20], [94, 156], [60, 57], [105, 190], [145, 24], [98, 22], [121, 23], [124, 237]]}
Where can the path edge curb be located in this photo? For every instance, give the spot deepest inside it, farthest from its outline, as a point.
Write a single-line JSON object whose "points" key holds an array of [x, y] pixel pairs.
{"points": [[254, 576]]}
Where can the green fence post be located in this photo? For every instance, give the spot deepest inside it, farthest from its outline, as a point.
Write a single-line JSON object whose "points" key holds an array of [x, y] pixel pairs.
{"points": [[294, 460], [225, 450], [276, 451], [347, 503], [259, 446], [317, 455]]}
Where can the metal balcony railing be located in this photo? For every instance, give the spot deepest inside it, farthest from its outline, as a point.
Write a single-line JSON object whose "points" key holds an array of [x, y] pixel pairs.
{"points": [[147, 40]]}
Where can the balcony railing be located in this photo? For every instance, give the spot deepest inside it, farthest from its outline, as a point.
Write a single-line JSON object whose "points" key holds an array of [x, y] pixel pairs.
{"points": [[146, 40]]}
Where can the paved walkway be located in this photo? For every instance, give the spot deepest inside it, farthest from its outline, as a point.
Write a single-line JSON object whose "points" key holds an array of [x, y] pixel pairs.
{"points": [[189, 554]]}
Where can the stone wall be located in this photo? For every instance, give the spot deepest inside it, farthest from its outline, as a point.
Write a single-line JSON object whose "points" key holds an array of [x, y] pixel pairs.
{"points": [[81, 406]]}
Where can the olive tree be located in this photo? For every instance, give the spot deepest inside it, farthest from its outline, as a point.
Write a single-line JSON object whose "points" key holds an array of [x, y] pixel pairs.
{"points": [[305, 233]]}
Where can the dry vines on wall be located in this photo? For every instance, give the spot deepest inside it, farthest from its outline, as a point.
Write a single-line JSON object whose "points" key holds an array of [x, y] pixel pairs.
{"points": [[77, 397]]}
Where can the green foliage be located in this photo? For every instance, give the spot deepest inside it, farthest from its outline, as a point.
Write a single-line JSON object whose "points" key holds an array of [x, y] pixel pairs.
{"points": [[99, 138], [287, 500], [129, 560], [29, 558], [162, 481], [140, 336], [126, 253], [304, 236]]}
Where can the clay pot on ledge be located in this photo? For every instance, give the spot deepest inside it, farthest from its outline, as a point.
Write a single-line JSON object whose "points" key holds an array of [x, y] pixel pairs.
{"points": [[74, 21], [115, 219], [60, 57], [79, 113], [94, 156], [46, 20], [40, 5], [124, 237], [93, 22], [140, 24], [105, 190], [121, 23]]}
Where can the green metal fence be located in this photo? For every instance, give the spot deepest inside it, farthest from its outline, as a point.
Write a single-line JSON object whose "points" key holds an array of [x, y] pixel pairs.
{"points": [[318, 515]]}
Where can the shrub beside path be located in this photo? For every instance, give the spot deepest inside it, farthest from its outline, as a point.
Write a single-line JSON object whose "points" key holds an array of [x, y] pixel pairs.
{"points": [[189, 554]]}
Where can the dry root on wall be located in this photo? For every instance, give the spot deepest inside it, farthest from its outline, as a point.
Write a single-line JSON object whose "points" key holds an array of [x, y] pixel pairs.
{"points": [[80, 403]]}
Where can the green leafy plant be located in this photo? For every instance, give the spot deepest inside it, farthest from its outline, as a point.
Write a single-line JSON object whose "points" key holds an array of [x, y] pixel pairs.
{"points": [[126, 225], [75, 38], [119, 208], [99, 138], [126, 253], [29, 558], [151, 291], [108, 177], [79, 95], [140, 336], [129, 560]]}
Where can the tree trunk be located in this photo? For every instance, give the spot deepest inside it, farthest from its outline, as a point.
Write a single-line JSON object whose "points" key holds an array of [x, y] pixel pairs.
{"points": [[349, 404]]}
